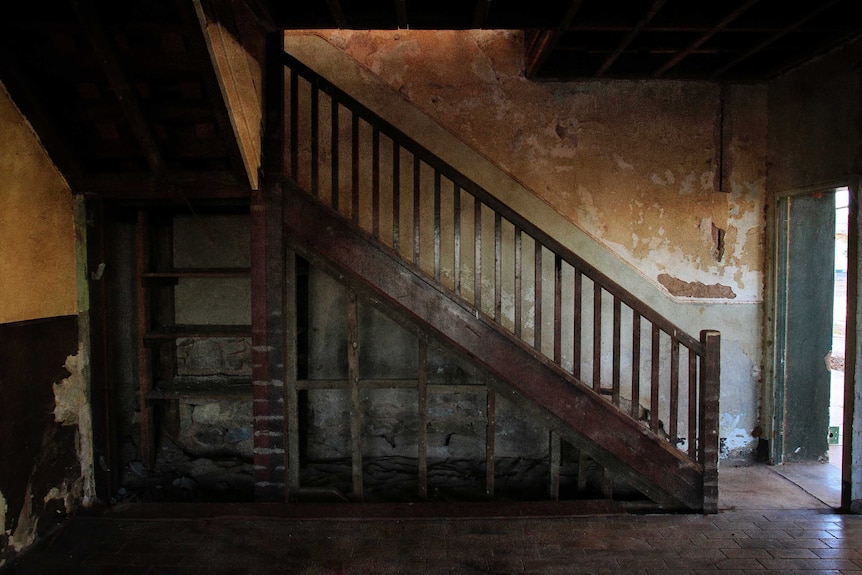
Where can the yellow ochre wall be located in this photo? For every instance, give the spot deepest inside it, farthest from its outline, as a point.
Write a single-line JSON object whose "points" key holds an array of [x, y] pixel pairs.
{"points": [[37, 232]]}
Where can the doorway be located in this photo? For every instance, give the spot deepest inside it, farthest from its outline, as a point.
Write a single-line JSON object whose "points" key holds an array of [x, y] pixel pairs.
{"points": [[810, 326]]}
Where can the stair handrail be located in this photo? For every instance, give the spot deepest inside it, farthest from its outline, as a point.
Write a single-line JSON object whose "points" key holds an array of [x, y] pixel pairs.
{"points": [[703, 368], [470, 186]]}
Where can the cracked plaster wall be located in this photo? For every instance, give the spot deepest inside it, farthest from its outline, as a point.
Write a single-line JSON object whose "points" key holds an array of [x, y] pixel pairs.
{"points": [[633, 164], [45, 429]]}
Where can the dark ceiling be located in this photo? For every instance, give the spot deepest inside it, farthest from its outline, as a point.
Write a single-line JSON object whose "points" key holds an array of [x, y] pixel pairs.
{"points": [[719, 40], [125, 98]]}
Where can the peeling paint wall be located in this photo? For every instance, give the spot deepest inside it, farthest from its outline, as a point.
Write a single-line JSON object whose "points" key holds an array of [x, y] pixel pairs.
{"points": [[626, 174], [37, 259], [45, 430], [637, 165]]}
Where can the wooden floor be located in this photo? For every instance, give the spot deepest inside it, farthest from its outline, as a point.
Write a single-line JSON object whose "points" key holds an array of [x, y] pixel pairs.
{"points": [[767, 524]]}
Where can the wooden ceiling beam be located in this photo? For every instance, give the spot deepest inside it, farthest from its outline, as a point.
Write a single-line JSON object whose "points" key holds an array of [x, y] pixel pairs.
{"points": [[198, 49], [480, 17], [29, 99], [609, 61], [401, 14], [105, 52], [545, 41], [262, 14], [692, 48], [180, 186], [337, 13], [775, 37]]}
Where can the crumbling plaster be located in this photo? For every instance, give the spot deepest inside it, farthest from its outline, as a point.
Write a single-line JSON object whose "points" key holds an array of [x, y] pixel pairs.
{"points": [[634, 164], [47, 469], [626, 177]]}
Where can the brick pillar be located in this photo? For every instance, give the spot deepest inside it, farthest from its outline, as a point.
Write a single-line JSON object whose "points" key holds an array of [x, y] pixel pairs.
{"points": [[268, 281]]}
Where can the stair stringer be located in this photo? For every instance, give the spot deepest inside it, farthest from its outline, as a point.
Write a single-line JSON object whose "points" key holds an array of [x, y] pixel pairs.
{"points": [[581, 416]]}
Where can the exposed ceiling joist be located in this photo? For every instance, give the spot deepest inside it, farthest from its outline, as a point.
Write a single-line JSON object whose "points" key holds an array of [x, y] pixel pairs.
{"points": [[199, 49], [546, 41], [817, 10], [401, 14], [690, 49], [106, 53], [337, 13], [653, 10], [30, 101], [480, 17]]}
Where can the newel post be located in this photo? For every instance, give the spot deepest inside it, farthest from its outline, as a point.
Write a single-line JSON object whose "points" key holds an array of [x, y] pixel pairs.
{"points": [[710, 373]]}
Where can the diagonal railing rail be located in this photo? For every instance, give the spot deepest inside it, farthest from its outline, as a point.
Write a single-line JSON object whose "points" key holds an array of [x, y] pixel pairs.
{"points": [[504, 266]]}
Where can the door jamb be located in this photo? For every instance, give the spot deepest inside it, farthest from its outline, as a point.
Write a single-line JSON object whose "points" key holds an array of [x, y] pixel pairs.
{"points": [[770, 359]]}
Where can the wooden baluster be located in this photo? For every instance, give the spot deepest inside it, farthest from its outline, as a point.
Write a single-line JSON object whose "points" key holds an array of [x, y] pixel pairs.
{"points": [[673, 424], [375, 182], [597, 337], [519, 299], [456, 247], [537, 283], [294, 125], [558, 309], [477, 254], [577, 313], [315, 139], [354, 172], [692, 404], [636, 364], [498, 268], [417, 205], [396, 196], [437, 226], [654, 378], [333, 145], [615, 376]]}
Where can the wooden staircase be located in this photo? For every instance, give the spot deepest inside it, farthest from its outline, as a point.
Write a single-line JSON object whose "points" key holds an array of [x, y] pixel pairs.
{"points": [[617, 380]]}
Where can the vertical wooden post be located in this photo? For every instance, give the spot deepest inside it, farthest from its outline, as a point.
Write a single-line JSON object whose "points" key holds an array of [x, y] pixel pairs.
{"points": [[93, 235], [583, 464], [477, 254], [597, 337], [417, 208], [710, 373], [422, 425], [537, 306], [490, 441], [355, 403], [456, 242], [145, 366], [617, 353], [554, 467], [519, 298]]}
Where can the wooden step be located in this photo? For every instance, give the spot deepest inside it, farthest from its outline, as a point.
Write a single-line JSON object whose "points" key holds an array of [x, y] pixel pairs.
{"points": [[581, 416]]}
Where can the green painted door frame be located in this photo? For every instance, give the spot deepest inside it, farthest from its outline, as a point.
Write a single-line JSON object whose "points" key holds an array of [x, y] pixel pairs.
{"points": [[803, 324]]}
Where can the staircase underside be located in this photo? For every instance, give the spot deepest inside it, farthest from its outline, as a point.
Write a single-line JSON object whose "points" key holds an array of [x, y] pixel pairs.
{"points": [[580, 415]]}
